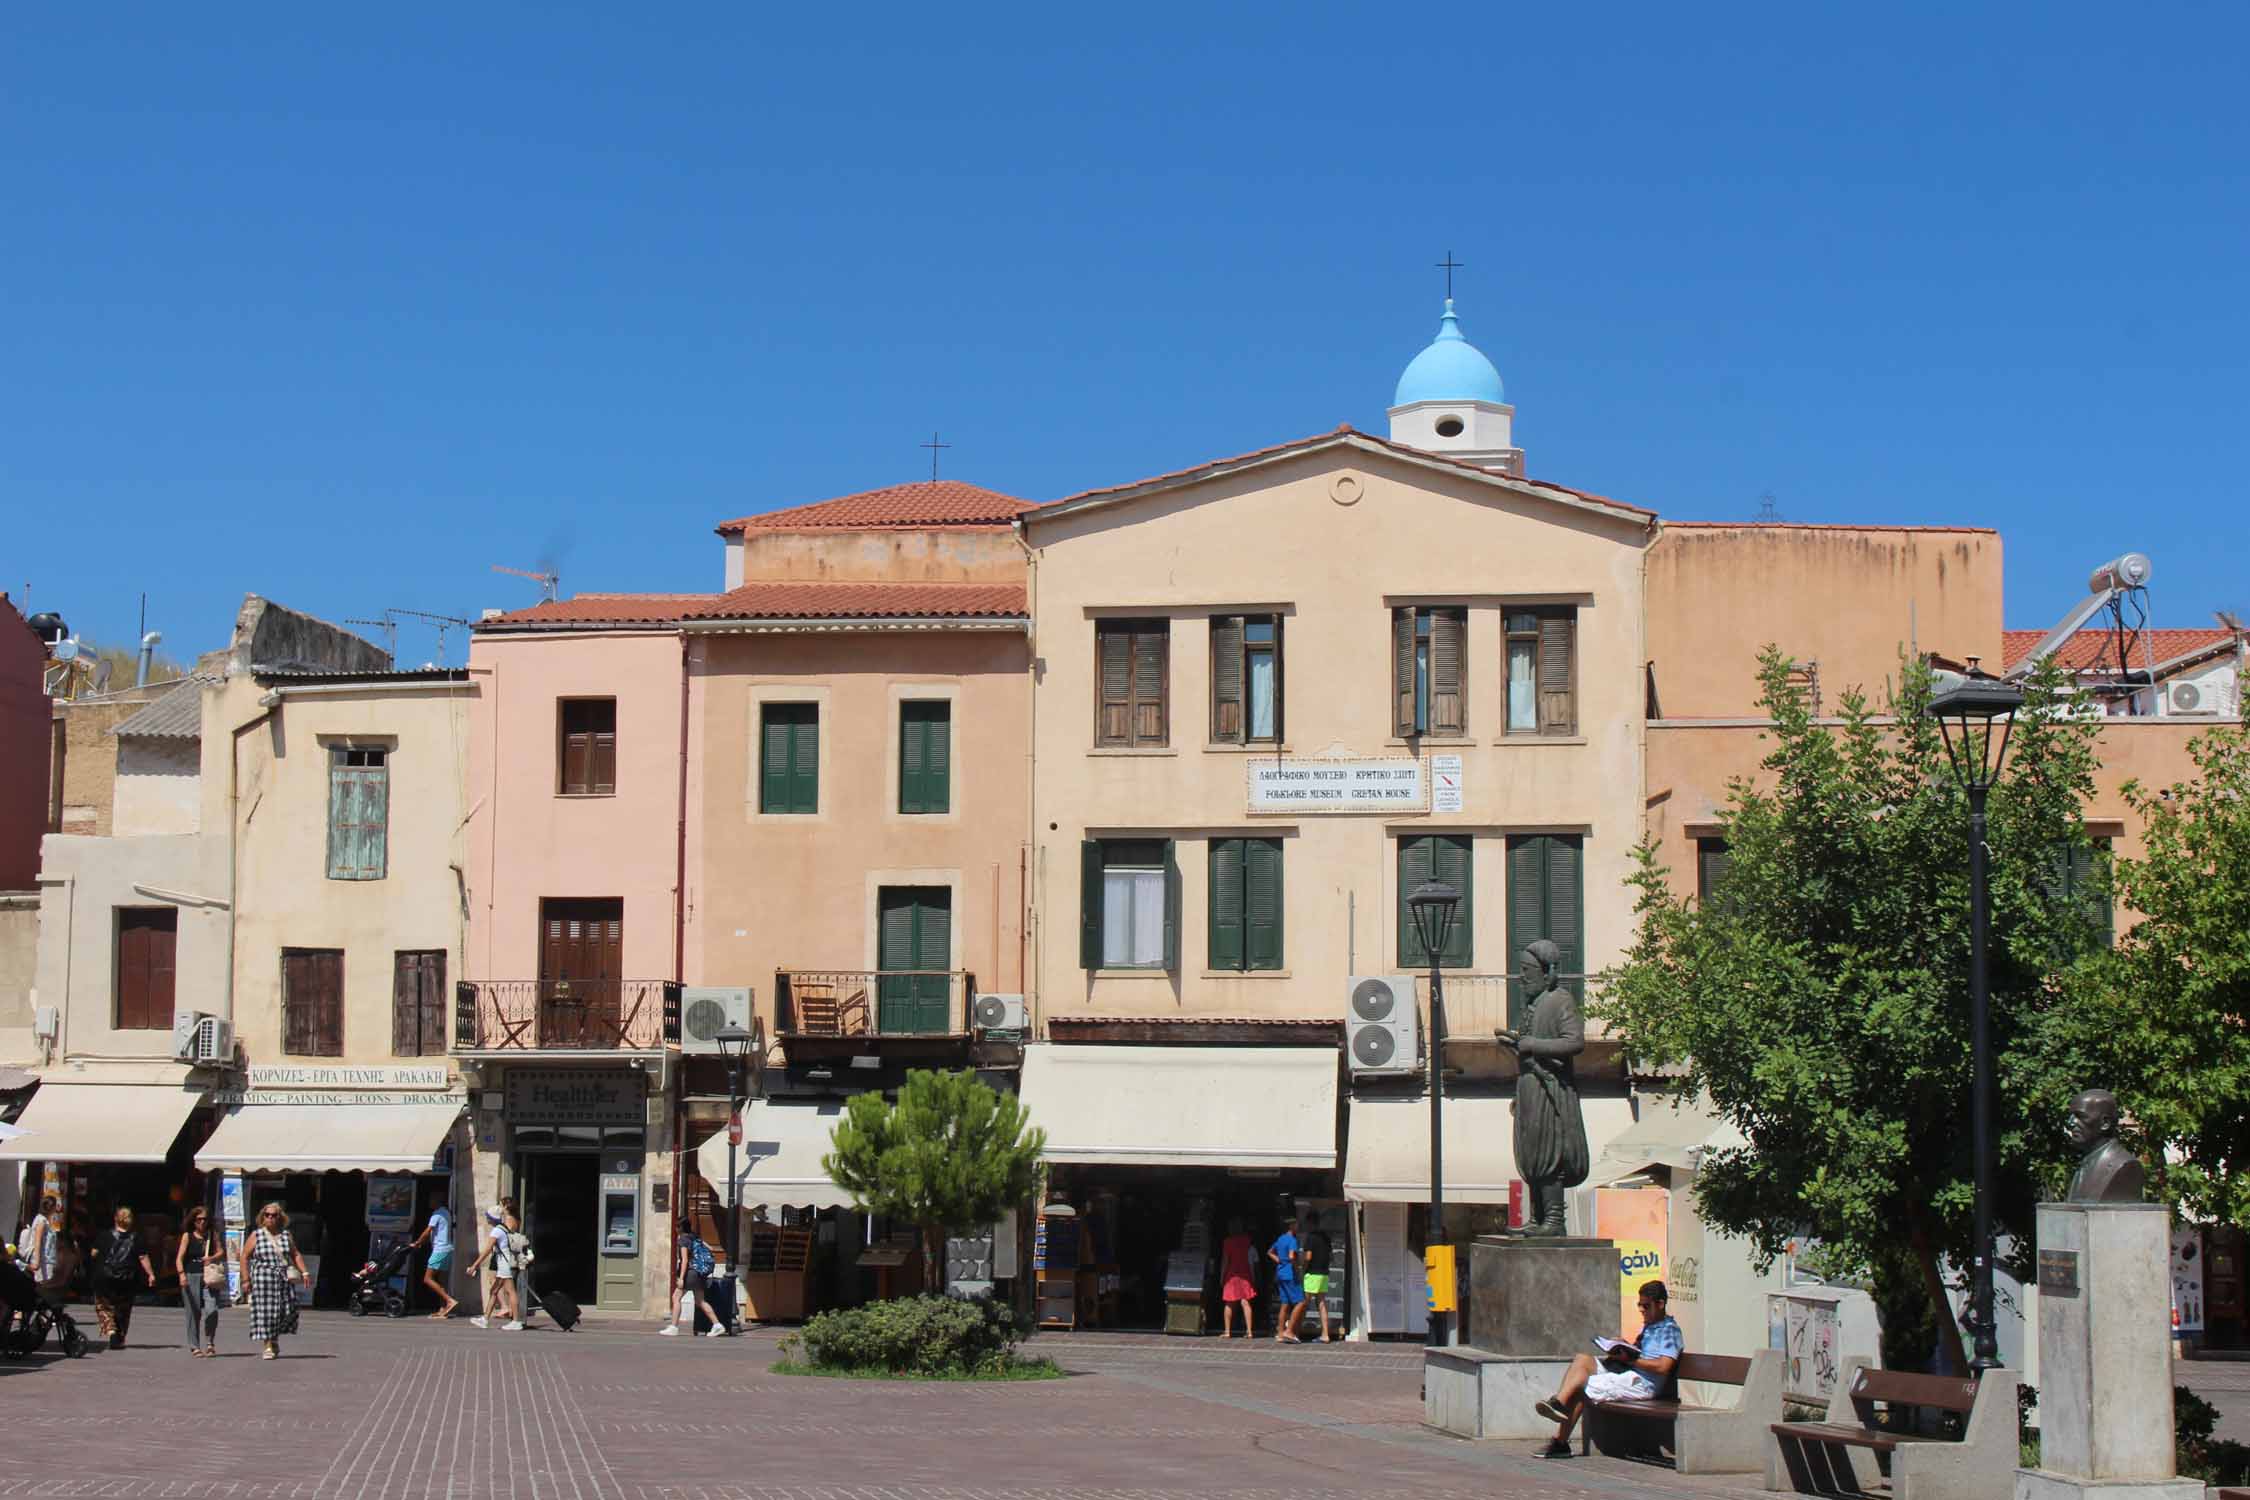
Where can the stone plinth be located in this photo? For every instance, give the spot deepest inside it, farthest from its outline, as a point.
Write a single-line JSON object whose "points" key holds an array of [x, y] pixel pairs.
{"points": [[1474, 1394], [2105, 1356], [1540, 1298]]}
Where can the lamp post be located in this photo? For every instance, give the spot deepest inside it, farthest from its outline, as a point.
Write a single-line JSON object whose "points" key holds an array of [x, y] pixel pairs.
{"points": [[1967, 708], [734, 1046], [1432, 906]]}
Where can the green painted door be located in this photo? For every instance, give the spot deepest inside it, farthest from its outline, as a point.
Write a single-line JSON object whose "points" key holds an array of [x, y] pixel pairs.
{"points": [[916, 935]]}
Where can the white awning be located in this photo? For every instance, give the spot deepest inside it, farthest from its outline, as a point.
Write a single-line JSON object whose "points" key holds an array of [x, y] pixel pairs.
{"points": [[95, 1122], [1184, 1106], [340, 1137], [1388, 1160], [778, 1162], [1666, 1135]]}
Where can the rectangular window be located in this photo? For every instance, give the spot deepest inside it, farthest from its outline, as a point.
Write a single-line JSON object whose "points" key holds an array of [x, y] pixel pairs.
{"points": [[789, 758], [1429, 649], [1542, 670], [418, 1004], [1134, 679], [1246, 904], [1245, 679], [1129, 904], [147, 954], [1546, 899], [1448, 858], [1712, 859], [359, 813], [588, 746], [925, 756], [2077, 877], [312, 1002]]}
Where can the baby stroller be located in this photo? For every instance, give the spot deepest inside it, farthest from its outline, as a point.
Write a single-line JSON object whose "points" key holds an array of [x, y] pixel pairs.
{"points": [[380, 1284], [36, 1315]]}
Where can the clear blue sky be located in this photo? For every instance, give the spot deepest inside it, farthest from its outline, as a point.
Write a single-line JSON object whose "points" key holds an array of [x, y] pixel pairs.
{"points": [[345, 307]]}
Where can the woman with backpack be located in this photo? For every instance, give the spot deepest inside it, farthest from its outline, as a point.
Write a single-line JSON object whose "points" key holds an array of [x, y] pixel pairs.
{"points": [[121, 1269], [691, 1277], [503, 1233]]}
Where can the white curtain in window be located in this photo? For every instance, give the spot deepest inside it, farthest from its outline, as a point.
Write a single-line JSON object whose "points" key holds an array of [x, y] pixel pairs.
{"points": [[1523, 687], [1261, 696], [1132, 918]]}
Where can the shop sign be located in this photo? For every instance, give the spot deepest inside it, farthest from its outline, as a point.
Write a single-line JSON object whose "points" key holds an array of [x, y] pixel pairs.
{"points": [[1322, 785], [325, 1096], [575, 1096], [303, 1076]]}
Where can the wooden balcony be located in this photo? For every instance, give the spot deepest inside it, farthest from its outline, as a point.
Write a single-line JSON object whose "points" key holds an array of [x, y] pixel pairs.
{"points": [[900, 1014], [565, 1015]]}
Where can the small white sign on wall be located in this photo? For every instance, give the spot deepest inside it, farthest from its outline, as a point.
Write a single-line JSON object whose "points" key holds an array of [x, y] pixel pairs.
{"points": [[1386, 785], [1445, 783]]}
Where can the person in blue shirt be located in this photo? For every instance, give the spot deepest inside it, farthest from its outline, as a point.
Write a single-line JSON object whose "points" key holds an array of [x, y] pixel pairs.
{"points": [[438, 1235], [1288, 1291], [1617, 1375]]}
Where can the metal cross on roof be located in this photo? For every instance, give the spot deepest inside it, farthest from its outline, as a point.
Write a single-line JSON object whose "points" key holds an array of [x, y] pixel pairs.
{"points": [[1449, 265], [933, 445]]}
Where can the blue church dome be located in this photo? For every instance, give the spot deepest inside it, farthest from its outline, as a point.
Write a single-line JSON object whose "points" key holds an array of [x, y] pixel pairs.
{"points": [[1451, 369]]}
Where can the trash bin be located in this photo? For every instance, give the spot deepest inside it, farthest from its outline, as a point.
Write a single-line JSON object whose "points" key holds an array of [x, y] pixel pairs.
{"points": [[719, 1290]]}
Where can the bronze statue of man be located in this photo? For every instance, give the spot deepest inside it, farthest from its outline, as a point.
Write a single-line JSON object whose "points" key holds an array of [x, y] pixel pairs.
{"points": [[2108, 1172], [1550, 1128]]}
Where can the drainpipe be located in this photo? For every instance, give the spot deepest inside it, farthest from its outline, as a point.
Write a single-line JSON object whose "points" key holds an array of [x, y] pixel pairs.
{"points": [[148, 653], [234, 835], [1024, 938]]}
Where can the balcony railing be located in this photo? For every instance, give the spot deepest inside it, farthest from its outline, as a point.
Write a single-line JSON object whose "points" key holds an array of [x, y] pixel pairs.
{"points": [[1477, 1005], [872, 1002], [577, 1015]]}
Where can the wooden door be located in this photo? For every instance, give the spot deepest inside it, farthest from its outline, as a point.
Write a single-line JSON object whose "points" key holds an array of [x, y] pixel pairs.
{"points": [[581, 967], [147, 942], [916, 934]]}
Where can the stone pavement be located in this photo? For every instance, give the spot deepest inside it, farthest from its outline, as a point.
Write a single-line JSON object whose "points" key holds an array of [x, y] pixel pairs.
{"points": [[375, 1408]]}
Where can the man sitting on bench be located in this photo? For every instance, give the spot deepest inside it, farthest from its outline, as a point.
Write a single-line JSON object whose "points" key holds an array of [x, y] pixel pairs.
{"points": [[1624, 1372]]}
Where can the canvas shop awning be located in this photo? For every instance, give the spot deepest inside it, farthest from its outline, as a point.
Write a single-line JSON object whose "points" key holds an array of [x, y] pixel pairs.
{"points": [[1388, 1157], [1255, 1107], [778, 1162], [1666, 1135], [95, 1122], [343, 1137]]}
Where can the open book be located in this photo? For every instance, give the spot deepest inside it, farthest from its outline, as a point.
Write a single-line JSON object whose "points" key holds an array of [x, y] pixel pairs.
{"points": [[1617, 1349]]}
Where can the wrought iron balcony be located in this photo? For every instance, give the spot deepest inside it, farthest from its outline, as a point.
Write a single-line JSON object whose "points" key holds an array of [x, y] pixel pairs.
{"points": [[872, 1002], [569, 1015]]}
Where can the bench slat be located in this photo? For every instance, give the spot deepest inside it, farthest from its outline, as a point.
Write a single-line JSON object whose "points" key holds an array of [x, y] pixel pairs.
{"points": [[1713, 1369], [1837, 1432], [1900, 1388]]}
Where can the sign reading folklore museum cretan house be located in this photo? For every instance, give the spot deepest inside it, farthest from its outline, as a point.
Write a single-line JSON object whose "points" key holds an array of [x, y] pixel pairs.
{"points": [[1390, 784]]}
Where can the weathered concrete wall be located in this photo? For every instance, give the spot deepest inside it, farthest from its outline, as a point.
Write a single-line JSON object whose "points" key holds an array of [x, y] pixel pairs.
{"points": [[987, 554], [89, 796], [24, 748], [270, 636], [19, 962], [159, 786], [83, 885]]}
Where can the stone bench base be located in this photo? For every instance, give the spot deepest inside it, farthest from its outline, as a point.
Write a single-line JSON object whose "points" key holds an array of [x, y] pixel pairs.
{"points": [[1473, 1394], [2040, 1484]]}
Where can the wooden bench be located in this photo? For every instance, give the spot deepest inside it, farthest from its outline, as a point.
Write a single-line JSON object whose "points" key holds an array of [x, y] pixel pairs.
{"points": [[1700, 1439], [1856, 1452]]}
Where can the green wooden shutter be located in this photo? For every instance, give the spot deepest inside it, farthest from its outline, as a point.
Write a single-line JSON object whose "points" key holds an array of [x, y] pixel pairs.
{"points": [[1450, 858], [1089, 904], [358, 818], [938, 786], [1227, 946], [1261, 903], [924, 728], [343, 823], [1449, 645], [913, 946], [1546, 899], [1229, 712], [1566, 907], [804, 757], [1171, 906], [1402, 671], [1558, 697], [773, 759]]}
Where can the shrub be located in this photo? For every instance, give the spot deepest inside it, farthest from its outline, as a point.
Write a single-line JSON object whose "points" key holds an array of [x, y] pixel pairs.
{"points": [[925, 1335]]}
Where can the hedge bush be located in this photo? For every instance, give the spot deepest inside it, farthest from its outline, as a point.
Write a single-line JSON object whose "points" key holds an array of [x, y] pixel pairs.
{"points": [[925, 1335]]}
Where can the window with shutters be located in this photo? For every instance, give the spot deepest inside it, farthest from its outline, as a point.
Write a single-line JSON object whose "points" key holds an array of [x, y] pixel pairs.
{"points": [[147, 948], [1449, 858], [359, 812], [2075, 874], [789, 758], [312, 1002], [1245, 679], [1429, 662], [1546, 899], [587, 754], [1133, 681], [925, 756], [418, 1003], [1129, 904], [1246, 904], [1712, 859], [1542, 670]]}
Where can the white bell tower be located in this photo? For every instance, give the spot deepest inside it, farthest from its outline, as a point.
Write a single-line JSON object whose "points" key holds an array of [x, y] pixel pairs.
{"points": [[1450, 401]]}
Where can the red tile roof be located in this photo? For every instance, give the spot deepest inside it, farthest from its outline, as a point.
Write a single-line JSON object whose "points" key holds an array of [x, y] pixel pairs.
{"points": [[945, 503], [2095, 649], [863, 601], [1819, 526], [603, 609]]}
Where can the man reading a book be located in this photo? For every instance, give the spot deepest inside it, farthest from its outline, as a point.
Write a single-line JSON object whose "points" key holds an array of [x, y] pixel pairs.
{"points": [[1622, 1372]]}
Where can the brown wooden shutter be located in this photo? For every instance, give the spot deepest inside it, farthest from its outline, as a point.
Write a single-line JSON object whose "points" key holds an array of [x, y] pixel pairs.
{"points": [[1449, 630], [577, 761], [331, 970], [1228, 716], [147, 941], [1558, 697], [1150, 680], [1114, 721], [1402, 670], [312, 1002], [433, 1004], [602, 758], [406, 1005]]}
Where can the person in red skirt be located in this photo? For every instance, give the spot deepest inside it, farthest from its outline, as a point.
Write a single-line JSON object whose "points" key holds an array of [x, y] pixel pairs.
{"points": [[1235, 1285]]}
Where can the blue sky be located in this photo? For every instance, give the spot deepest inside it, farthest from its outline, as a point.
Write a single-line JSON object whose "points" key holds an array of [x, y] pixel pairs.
{"points": [[345, 307]]}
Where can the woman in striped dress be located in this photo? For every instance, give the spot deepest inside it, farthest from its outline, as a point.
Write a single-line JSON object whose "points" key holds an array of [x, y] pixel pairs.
{"points": [[268, 1258]]}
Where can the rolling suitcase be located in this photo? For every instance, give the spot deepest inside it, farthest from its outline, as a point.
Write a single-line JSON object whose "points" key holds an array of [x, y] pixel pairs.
{"points": [[560, 1306], [720, 1293]]}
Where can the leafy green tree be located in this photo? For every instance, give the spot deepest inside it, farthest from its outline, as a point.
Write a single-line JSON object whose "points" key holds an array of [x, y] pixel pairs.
{"points": [[2163, 1019], [950, 1156], [1821, 999]]}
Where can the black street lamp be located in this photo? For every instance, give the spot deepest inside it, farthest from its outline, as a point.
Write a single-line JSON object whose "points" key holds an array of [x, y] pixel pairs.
{"points": [[734, 1046], [1968, 709], [1432, 906]]}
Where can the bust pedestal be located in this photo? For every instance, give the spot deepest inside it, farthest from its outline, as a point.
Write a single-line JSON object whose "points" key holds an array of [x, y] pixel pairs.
{"points": [[2105, 1356], [1532, 1304]]}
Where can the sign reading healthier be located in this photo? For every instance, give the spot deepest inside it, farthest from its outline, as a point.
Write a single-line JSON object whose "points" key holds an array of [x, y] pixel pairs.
{"points": [[558, 1096], [1388, 785], [301, 1076]]}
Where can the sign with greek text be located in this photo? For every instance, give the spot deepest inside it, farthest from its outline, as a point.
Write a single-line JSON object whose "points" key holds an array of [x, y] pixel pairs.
{"points": [[1445, 783], [331, 1097], [303, 1076], [1389, 785]]}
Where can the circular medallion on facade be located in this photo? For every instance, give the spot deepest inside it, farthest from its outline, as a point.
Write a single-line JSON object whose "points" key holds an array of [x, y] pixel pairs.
{"points": [[1345, 489]]}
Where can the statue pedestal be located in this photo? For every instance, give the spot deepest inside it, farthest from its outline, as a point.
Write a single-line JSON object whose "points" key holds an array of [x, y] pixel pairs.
{"points": [[1532, 1305], [2105, 1356]]}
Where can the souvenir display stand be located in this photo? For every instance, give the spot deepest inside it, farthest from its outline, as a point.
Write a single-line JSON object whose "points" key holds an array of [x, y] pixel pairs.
{"points": [[1054, 1262], [776, 1263]]}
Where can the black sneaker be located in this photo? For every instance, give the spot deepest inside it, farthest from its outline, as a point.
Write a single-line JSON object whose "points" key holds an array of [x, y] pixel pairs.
{"points": [[1556, 1449]]}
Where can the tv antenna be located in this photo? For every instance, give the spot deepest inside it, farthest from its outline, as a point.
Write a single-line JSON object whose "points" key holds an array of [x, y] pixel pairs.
{"points": [[548, 581], [1767, 511], [389, 626]]}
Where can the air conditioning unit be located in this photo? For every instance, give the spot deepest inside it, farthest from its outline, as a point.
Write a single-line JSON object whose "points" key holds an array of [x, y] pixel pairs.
{"points": [[214, 1041], [997, 1013], [184, 1024], [705, 1012], [1380, 1029], [2187, 698]]}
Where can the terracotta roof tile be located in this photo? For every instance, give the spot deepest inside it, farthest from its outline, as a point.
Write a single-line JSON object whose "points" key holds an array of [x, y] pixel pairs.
{"points": [[1820, 526], [924, 504], [602, 609], [861, 601], [2096, 648]]}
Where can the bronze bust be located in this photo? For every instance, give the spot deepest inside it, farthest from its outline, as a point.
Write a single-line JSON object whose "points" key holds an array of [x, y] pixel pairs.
{"points": [[1551, 1152], [2108, 1172]]}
